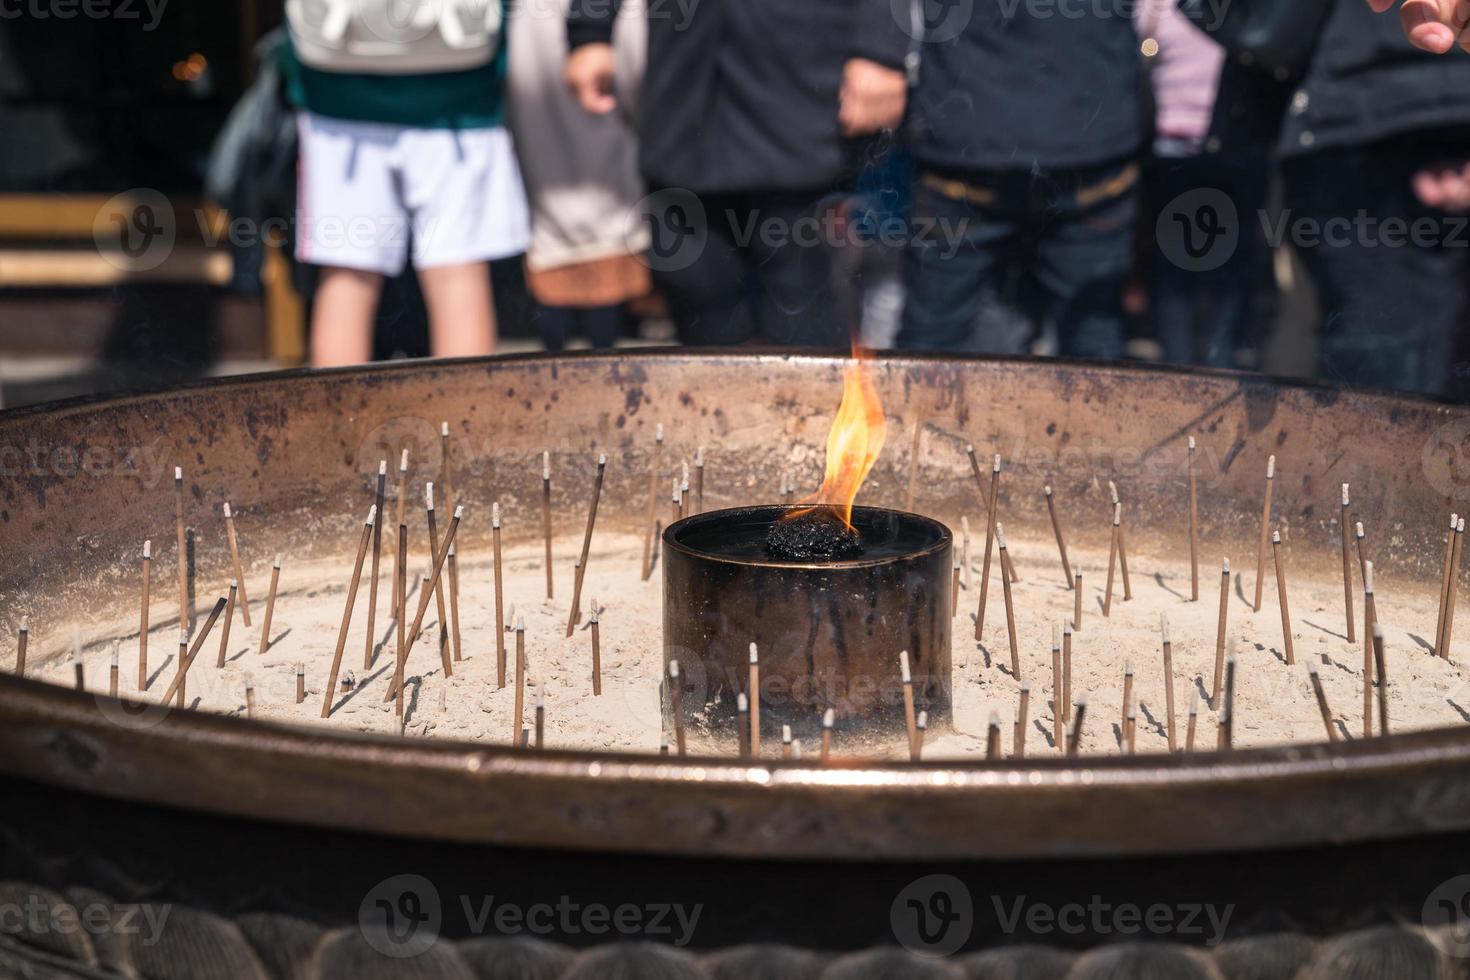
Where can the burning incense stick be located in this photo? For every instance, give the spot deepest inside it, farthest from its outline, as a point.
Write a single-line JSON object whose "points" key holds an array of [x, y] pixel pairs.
{"points": [[1193, 722], [520, 692], [1444, 588], [587, 543], [1058, 695], [742, 724], [755, 702], [1066, 672], [652, 523], [224, 635], [438, 589], [499, 597], [1449, 615], [186, 660], [1281, 597], [1112, 559], [1227, 713], [1193, 529], [1056, 528], [546, 521], [908, 704], [785, 741], [1000, 535], [23, 642], [234, 544], [1220, 633], [1122, 543], [1168, 678], [300, 683], [1019, 739], [270, 608], [1347, 566], [379, 498], [1077, 599], [1382, 668], [829, 718], [1265, 528], [454, 602], [921, 726], [676, 690], [990, 509], [1321, 696], [1074, 739], [142, 620], [699, 480], [362, 547], [1127, 700], [184, 612], [398, 577], [992, 737], [596, 651], [1370, 620], [112, 672], [540, 718]]}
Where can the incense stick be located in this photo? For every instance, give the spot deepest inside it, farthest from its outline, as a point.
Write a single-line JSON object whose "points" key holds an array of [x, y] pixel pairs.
{"points": [[1347, 567], [546, 521], [1130, 732], [362, 547], [921, 725], [1444, 589], [184, 617], [829, 718], [1058, 696], [270, 607], [1227, 714], [234, 544], [1077, 599], [742, 724], [300, 683], [454, 603], [1074, 739], [379, 498], [754, 691], [1265, 528], [676, 691], [21, 644], [1193, 722], [914, 463], [1220, 633], [1168, 678], [785, 741], [1010, 609], [1112, 559], [1066, 672], [990, 509], [540, 718], [1122, 543], [1019, 739], [1127, 700], [587, 544], [448, 465], [142, 619], [1382, 668], [499, 597], [1321, 696], [112, 672], [400, 655], [954, 590], [438, 589], [176, 689], [1370, 620], [676, 502], [908, 704], [652, 523], [181, 665], [596, 651], [400, 578], [992, 737], [1056, 528], [699, 480], [76, 660], [1193, 529], [520, 691], [1449, 616], [1281, 597], [224, 636], [249, 697]]}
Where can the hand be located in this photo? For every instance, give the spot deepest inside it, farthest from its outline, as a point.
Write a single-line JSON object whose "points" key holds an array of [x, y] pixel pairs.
{"points": [[590, 74], [1444, 186], [873, 97], [1434, 25]]}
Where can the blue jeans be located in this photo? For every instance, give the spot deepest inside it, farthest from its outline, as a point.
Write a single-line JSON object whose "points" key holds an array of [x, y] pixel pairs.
{"points": [[1071, 231]]}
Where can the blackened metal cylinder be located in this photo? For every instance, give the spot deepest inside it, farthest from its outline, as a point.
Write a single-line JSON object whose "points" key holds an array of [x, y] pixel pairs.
{"points": [[829, 634]]}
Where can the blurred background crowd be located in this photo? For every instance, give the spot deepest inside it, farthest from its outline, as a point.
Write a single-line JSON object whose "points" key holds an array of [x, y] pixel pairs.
{"points": [[196, 188]]}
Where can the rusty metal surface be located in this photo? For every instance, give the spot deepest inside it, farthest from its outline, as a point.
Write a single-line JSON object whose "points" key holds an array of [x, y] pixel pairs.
{"points": [[82, 485]]}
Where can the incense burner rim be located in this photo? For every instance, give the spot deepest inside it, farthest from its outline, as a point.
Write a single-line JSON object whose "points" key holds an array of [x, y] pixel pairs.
{"points": [[671, 535]]}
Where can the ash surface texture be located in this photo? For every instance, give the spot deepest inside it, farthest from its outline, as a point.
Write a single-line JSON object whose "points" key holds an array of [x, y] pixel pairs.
{"points": [[817, 535]]}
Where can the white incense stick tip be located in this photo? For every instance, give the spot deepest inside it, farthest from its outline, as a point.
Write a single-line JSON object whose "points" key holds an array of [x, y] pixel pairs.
{"points": [[458, 511], [1377, 630], [1127, 668], [1194, 703], [922, 722], [754, 655], [1067, 626], [545, 467], [300, 669], [965, 525], [970, 448], [444, 429], [1047, 489], [382, 467], [520, 624], [249, 683], [115, 656], [540, 699], [996, 465], [1453, 519], [1360, 529], [234, 583], [742, 703], [1191, 443], [228, 514], [699, 457], [1275, 537], [403, 462], [1225, 567], [1113, 490], [1164, 626], [1271, 468], [658, 433], [1311, 669], [183, 636], [1025, 687], [1345, 495], [372, 514], [148, 549], [178, 473], [829, 718], [602, 459], [674, 669], [1082, 701], [429, 494], [1056, 643], [1368, 577], [495, 514], [451, 551], [25, 624], [1000, 535], [786, 734], [957, 564], [1460, 527], [903, 668], [277, 563]]}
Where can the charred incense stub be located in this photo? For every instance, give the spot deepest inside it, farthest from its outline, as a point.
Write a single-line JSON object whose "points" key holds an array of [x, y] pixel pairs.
{"points": [[813, 535]]}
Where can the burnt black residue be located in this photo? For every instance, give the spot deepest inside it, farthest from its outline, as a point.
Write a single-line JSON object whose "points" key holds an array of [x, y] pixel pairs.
{"points": [[817, 535]]}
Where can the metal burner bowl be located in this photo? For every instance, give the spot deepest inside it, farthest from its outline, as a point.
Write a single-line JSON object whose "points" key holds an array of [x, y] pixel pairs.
{"points": [[236, 819]]}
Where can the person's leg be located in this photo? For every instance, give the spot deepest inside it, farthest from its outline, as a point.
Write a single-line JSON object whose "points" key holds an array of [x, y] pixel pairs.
{"points": [[1084, 255], [555, 324], [1172, 290], [603, 324], [342, 317], [461, 309], [697, 267], [951, 266], [791, 249]]}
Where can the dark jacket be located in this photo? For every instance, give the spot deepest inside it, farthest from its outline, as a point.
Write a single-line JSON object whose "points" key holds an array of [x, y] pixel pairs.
{"points": [[744, 96], [1364, 83], [1019, 89]]}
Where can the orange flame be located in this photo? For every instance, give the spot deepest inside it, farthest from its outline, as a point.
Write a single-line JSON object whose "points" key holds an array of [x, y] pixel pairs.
{"points": [[855, 441]]}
